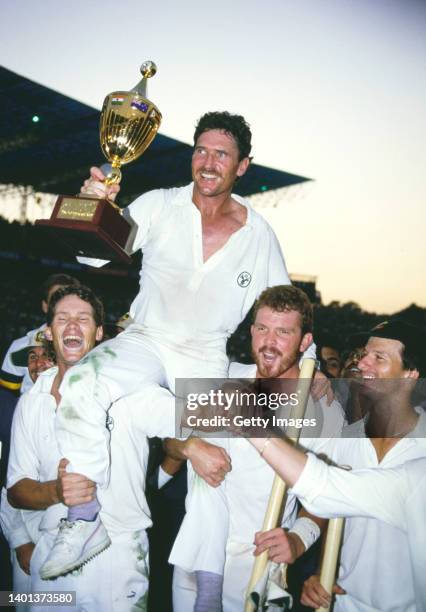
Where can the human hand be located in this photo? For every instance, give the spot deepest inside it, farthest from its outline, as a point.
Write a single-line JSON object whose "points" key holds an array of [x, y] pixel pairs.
{"points": [[73, 489], [321, 386], [23, 556], [282, 546], [96, 186], [211, 462], [314, 594]]}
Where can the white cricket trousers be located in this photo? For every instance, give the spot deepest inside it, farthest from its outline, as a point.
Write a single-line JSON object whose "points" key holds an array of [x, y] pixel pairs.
{"points": [[115, 369], [116, 580]]}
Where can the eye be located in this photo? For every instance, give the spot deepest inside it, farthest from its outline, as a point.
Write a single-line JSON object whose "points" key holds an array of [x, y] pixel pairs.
{"points": [[282, 332], [221, 154], [199, 151]]}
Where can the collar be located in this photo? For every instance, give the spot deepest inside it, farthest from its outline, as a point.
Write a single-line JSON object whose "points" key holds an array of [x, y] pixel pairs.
{"points": [[44, 382], [184, 198]]}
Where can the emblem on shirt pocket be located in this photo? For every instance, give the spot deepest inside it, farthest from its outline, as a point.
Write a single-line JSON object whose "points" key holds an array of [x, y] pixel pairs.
{"points": [[244, 279]]}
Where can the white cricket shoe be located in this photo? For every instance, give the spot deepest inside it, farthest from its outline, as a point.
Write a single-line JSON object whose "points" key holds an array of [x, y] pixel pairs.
{"points": [[76, 543]]}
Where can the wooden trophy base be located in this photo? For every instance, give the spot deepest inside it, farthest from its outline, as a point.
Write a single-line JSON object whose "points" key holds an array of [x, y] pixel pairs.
{"points": [[89, 227]]}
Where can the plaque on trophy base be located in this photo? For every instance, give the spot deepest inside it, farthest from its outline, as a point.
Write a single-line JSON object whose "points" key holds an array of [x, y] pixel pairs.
{"points": [[89, 227], [93, 227]]}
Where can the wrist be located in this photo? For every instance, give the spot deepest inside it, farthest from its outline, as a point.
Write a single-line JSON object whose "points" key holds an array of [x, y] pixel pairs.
{"points": [[306, 531], [297, 544], [55, 491], [188, 448]]}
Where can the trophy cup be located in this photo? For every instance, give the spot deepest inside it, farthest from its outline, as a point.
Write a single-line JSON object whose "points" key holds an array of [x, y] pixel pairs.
{"points": [[94, 227]]}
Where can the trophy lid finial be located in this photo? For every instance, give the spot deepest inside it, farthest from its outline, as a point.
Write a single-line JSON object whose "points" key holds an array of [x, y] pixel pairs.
{"points": [[148, 69]]}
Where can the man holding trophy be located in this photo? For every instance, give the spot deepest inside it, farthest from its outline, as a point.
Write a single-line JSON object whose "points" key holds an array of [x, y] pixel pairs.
{"points": [[207, 255]]}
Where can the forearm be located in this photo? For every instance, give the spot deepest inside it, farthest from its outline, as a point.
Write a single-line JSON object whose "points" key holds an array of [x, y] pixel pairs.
{"points": [[170, 465], [282, 456], [29, 494], [176, 449]]}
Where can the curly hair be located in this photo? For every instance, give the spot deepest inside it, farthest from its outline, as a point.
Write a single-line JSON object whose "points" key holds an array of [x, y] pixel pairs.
{"points": [[283, 298], [82, 292], [235, 125]]}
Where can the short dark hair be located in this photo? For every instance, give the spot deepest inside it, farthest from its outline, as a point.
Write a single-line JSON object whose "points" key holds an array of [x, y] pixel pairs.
{"points": [[65, 280], [283, 298], [412, 359], [82, 292], [412, 338], [235, 125]]}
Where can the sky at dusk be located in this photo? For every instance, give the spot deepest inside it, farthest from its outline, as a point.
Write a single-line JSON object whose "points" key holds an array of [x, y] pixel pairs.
{"points": [[334, 90]]}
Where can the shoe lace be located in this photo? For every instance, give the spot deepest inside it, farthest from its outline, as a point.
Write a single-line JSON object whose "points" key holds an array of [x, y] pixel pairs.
{"points": [[64, 529]]}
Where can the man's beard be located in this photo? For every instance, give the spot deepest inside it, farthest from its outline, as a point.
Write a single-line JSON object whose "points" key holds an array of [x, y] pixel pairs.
{"points": [[277, 367]]}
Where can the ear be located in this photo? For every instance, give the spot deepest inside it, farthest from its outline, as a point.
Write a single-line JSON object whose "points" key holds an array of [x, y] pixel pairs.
{"points": [[242, 166], [48, 334], [305, 342], [99, 333], [44, 306], [251, 329]]}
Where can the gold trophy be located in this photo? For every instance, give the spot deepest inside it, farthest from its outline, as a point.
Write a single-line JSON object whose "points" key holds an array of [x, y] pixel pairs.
{"points": [[95, 227]]}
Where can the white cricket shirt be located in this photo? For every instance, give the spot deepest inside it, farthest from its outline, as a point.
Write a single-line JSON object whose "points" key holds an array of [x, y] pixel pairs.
{"points": [[184, 296], [34, 452], [377, 557]]}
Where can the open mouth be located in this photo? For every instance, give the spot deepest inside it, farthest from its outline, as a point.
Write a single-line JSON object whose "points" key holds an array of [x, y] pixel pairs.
{"points": [[269, 355], [209, 176], [73, 342]]}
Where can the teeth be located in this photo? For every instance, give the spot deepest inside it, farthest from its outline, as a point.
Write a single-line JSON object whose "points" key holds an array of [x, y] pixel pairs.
{"points": [[208, 176], [72, 338]]}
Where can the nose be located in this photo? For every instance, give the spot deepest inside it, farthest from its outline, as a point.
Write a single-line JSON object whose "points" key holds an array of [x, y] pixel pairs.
{"points": [[72, 323], [209, 159], [271, 337], [41, 361], [364, 362]]}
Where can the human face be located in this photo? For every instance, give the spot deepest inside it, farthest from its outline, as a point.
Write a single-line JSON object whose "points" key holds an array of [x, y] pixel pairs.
{"points": [[215, 163], [350, 367], [38, 362], [382, 360], [73, 330], [331, 359], [277, 341]]}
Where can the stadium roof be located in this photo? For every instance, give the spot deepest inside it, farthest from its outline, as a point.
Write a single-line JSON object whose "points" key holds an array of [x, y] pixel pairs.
{"points": [[49, 141]]}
